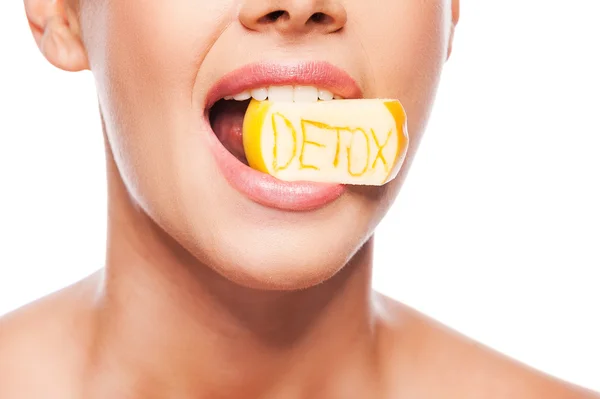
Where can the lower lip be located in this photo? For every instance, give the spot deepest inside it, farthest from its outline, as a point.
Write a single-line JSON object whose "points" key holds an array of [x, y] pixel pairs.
{"points": [[267, 190]]}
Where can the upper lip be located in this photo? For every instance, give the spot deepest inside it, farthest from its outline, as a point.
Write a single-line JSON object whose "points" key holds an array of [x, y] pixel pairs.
{"points": [[321, 74]]}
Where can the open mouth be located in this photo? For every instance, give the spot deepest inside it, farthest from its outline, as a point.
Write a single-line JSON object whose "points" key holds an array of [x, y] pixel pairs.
{"points": [[226, 116], [226, 104]]}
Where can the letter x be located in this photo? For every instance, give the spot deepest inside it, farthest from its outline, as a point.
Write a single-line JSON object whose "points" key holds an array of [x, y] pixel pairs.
{"points": [[380, 149]]}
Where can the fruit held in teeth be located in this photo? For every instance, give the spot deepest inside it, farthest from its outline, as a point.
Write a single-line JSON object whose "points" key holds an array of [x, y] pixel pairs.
{"points": [[359, 142]]}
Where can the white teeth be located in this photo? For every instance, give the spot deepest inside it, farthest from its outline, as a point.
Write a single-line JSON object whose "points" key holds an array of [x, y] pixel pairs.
{"points": [[285, 94], [243, 96], [260, 94], [306, 94], [281, 93], [325, 95]]}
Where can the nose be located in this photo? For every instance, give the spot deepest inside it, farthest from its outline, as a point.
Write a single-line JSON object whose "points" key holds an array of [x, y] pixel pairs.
{"points": [[291, 17]]}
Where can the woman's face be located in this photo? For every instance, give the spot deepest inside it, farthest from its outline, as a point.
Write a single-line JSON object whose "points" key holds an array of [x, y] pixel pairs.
{"points": [[158, 66]]}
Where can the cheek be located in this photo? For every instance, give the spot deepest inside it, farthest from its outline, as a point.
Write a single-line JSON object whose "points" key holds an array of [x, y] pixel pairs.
{"points": [[406, 44], [145, 57], [160, 34], [151, 50]]}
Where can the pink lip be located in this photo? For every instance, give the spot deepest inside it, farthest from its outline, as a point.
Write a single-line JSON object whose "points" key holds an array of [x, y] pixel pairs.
{"points": [[260, 187], [320, 74]]}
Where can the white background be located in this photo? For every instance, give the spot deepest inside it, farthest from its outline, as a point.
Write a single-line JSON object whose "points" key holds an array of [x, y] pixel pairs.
{"points": [[496, 232]]}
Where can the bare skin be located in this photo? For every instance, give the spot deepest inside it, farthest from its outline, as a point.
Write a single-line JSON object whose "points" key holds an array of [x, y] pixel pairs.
{"points": [[206, 293], [60, 347]]}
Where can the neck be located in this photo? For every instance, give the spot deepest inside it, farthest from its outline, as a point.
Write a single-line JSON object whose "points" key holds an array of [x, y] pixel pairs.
{"points": [[169, 326]]}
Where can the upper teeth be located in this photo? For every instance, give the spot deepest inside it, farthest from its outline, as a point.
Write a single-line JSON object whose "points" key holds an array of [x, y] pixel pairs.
{"points": [[285, 93]]}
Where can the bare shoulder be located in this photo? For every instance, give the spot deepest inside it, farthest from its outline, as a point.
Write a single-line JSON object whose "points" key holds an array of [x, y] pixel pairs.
{"points": [[39, 355], [430, 360]]}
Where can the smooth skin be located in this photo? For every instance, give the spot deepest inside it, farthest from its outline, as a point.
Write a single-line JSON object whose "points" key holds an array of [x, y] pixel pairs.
{"points": [[206, 294]]}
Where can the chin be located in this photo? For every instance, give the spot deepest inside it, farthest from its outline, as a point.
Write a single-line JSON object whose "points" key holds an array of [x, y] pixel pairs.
{"points": [[283, 256], [284, 276]]}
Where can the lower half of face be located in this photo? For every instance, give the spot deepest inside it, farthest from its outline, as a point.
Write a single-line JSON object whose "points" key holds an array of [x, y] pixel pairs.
{"points": [[157, 66]]}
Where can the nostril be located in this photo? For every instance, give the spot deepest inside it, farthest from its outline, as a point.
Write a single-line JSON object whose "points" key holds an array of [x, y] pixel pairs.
{"points": [[321, 18], [272, 16], [293, 16]]}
